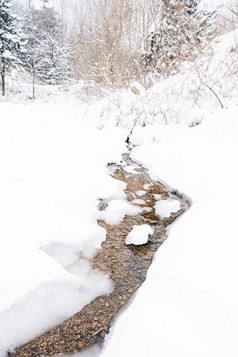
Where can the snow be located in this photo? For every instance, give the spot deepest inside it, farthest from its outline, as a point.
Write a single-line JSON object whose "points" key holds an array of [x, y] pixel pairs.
{"points": [[164, 208], [138, 202], [139, 235], [140, 192], [116, 211], [49, 155], [53, 160], [90, 352], [130, 170], [188, 304], [157, 197]]}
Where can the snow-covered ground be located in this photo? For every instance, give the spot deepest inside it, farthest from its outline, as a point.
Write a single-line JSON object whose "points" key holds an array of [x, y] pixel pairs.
{"points": [[188, 304], [53, 172]]}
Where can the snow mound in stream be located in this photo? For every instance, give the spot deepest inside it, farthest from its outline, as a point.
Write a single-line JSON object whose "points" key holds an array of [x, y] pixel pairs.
{"points": [[116, 211], [139, 235]]}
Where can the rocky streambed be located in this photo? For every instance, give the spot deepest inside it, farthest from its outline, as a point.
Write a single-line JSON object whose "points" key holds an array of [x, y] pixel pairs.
{"points": [[127, 265]]}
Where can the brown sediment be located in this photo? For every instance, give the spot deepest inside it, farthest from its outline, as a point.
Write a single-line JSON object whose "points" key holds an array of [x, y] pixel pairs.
{"points": [[127, 266]]}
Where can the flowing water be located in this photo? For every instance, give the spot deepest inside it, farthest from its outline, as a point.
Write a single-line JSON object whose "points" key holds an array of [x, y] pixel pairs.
{"points": [[127, 266]]}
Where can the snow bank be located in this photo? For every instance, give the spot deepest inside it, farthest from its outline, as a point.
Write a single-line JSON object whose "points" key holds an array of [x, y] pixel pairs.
{"points": [[164, 208], [53, 173], [188, 304], [90, 352]]}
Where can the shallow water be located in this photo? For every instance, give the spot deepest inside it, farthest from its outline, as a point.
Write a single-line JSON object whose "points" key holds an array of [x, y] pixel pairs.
{"points": [[127, 266]]}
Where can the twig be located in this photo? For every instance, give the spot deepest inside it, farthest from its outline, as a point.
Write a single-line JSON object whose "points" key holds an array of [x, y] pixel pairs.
{"points": [[207, 86]]}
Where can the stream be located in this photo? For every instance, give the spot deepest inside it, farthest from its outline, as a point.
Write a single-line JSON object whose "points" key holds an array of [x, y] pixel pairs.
{"points": [[126, 264]]}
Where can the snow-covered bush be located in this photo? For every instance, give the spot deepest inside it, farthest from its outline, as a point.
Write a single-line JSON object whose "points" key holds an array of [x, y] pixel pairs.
{"points": [[201, 86], [181, 31], [47, 55]]}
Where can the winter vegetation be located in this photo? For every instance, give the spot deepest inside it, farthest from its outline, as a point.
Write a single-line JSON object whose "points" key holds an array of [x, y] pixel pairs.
{"points": [[113, 44], [82, 82]]}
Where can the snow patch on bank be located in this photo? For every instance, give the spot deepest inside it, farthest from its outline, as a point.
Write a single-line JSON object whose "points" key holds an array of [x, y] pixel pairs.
{"points": [[164, 208]]}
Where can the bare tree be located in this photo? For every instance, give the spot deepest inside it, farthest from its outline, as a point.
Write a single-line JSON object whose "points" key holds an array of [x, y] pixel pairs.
{"points": [[109, 45]]}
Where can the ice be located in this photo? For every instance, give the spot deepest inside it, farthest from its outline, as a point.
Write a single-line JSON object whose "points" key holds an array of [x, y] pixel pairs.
{"points": [[116, 211], [139, 235], [164, 208]]}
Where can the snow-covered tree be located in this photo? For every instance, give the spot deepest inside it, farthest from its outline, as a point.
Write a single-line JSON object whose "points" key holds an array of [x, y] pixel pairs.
{"points": [[179, 33], [47, 56], [10, 41]]}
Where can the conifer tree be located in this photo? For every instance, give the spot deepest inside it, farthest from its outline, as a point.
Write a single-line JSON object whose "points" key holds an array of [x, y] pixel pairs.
{"points": [[10, 41]]}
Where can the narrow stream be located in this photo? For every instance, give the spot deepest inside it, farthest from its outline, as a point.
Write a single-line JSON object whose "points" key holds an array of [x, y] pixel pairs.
{"points": [[127, 266]]}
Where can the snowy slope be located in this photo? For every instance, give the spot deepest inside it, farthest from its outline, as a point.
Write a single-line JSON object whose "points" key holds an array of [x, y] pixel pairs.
{"points": [[188, 304], [53, 171], [182, 98]]}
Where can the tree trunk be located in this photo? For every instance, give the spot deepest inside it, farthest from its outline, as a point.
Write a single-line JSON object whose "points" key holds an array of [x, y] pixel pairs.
{"points": [[3, 73], [33, 83]]}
